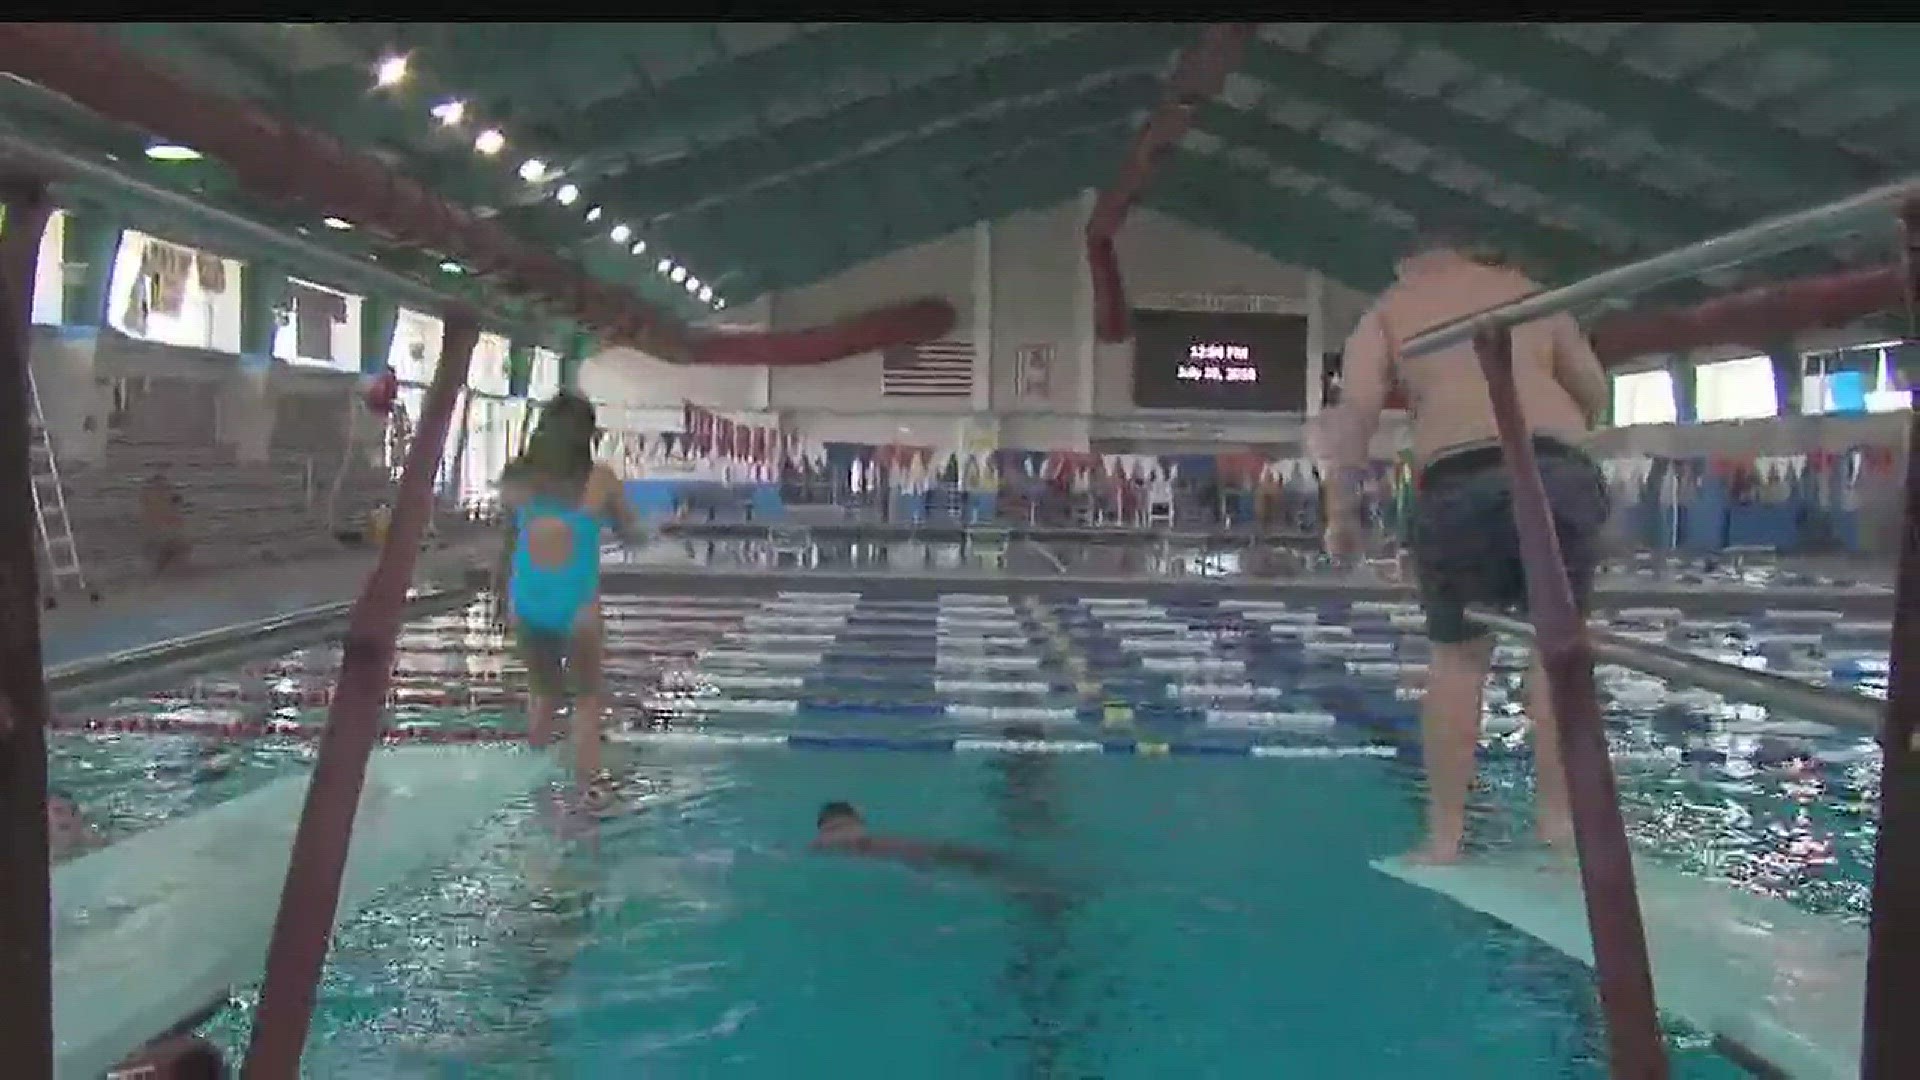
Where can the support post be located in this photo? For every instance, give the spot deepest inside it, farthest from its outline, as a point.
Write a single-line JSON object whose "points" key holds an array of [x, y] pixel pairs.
{"points": [[1686, 389], [1635, 1044], [1890, 1043], [519, 368], [1788, 380], [311, 897], [571, 357], [379, 318], [26, 954], [89, 244]]}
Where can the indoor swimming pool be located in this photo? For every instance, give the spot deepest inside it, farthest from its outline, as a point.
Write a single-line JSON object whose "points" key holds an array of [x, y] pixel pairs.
{"points": [[1195, 790]]}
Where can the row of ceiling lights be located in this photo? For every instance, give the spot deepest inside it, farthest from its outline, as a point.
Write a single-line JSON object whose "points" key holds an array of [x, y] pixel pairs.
{"points": [[490, 141], [391, 72]]}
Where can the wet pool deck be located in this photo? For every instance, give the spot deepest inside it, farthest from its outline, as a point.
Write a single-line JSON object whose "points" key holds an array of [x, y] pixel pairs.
{"points": [[208, 600]]}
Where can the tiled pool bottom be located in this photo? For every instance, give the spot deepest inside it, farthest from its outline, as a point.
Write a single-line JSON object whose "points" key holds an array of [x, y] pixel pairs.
{"points": [[642, 953]]}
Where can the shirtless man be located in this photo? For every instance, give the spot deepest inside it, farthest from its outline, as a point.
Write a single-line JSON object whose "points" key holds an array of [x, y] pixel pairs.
{"points": [[1463, 538]]}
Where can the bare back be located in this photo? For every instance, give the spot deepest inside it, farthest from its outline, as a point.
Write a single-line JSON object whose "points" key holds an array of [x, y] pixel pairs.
{"points": [[1562, 387], [550, 539]]}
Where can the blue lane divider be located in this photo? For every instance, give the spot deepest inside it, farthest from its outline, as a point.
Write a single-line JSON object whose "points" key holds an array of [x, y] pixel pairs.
{"points": [[1135, 748], [854, 707]]}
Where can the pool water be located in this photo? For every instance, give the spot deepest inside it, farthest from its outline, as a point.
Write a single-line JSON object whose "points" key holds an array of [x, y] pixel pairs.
{"points": [[1193, 909], [1191, 917]]}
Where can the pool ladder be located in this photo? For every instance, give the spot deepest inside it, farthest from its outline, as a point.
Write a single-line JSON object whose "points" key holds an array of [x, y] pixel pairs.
{"points": [[59, 553]]}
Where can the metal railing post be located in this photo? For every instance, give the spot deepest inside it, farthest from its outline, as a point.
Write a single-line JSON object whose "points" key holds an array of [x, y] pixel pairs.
{"points": [[1890, 1043], [1637, 1048], [26, 947], [304, 926]]}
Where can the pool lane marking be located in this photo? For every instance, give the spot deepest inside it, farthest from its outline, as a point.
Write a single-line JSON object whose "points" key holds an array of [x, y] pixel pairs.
{"points": [[1123, 747], [1117, 715], [1047, 553]]}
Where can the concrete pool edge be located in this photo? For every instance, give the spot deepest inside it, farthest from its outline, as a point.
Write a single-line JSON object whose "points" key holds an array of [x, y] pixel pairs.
{"points": [[1778, 986], [129, 670], [177, 902]]}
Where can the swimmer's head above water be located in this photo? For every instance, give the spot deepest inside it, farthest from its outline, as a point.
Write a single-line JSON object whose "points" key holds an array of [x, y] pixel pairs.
{"points": [[837, 825], [68, 830]]}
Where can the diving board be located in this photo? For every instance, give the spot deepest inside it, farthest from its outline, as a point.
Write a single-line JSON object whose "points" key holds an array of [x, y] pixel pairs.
{"points": [[148, 929], [1784, 985]]}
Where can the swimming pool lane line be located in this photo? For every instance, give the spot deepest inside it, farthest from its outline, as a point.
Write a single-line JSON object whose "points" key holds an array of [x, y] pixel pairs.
{"points": [[1842, 709], [1047, 554], [1059, 645]]}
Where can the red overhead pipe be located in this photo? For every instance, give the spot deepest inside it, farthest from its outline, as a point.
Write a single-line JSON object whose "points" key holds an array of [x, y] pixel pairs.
{"points": [[277, 159], [1201, 72], [1757, 317]]}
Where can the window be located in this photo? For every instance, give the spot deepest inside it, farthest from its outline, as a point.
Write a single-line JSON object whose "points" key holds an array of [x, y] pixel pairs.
{"points": [[1643, 397], [416, 348], [543, 381], [323, 328], [488, 371], [1873, 362], [164, 292], [49, 273], [1740, 389]]}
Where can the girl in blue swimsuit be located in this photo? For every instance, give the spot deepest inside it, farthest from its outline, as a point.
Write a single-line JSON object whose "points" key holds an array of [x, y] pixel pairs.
{"points": [[556, 497]]}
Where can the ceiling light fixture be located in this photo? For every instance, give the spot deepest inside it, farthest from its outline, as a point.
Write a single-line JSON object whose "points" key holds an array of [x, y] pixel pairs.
{"points": [[621, 234], [679, 274], [452, 267], [664, 266], [639, 248], [490, 141], [719, 303], [568, 194], [337, 223], [450, 113], [693, 284], [593, 214], [391, 72], [172, 152], [706, 294], [533, 170]]}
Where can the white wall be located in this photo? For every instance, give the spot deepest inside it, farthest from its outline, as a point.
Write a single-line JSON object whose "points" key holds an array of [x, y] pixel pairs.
{"points": [[1020, 281]]}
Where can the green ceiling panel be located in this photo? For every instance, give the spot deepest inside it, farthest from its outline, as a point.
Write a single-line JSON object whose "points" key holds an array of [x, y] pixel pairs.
{"points": [[1038, 173], [720, 94], [1556, 252], [1491, 146], [1054, 68], [953, 148], [1750, 146], [1875, 53], [770, 156], [1343, 243]]}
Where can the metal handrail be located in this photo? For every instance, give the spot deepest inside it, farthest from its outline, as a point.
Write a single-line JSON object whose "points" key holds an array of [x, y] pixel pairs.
{"points": [[1773, 234], [1804, 700]]}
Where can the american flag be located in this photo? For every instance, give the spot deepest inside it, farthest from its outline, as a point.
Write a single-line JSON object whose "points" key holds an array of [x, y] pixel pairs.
{"points": [[930, 369]]}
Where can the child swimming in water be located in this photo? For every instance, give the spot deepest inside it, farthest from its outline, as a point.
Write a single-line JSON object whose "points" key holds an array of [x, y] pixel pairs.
{"points": [[556, 497]]}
